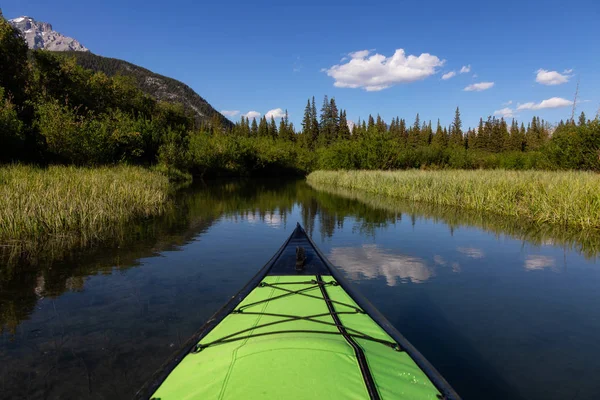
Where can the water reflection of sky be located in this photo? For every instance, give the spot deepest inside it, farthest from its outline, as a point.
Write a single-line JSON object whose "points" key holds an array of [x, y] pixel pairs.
{"points": [[538, 262], [370, 262], [471, 252], [273, 219]]}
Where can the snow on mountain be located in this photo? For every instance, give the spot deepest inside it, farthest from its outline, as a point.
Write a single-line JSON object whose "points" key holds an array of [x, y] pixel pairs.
{"points": [[40, 35]]}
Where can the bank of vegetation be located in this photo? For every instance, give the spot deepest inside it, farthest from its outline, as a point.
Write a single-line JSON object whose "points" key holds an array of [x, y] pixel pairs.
{"points": [[568, 198], [76, 204]]}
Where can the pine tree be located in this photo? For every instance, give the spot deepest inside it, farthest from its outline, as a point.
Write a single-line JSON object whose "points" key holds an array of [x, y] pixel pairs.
{"points": [[439, 138], [514, 137], [414, 133], [522, 135], [402, 132], [380, 126], [497, 139], [254, 128], [456, 134], [532, 134], [333, 121], [417, 124], [371, 125], [283, 133], [239, 127], [273, 128], [263, 129], [344, 131], [479, 140], [424, 137], [215, 124], [307, 119], [314, 130], [582, 119], [471, 139]]}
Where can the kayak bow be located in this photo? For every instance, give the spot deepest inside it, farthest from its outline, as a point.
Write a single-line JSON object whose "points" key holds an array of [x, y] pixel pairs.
{"points": [[297, 330]]}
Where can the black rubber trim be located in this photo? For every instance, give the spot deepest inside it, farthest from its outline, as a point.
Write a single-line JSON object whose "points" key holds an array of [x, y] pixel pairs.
{"points": [[358, 351]]}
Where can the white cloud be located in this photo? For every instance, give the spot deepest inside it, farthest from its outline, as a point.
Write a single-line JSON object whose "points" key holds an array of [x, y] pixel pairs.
{"points": [[378, 72], [252, 114], [371, 262], [465, 69], [552, 77], [537, 262], [439, 260], [505, 112], [448, 75], [475, 75], [276, 113], [351, 124], [229, 113], [508, 103], [478, 87], [471, 252], [554, 102]]}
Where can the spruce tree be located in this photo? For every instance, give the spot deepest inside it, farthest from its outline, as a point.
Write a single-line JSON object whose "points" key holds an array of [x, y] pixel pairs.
{"points": [[371, 125], [307, 119], [380, 125], [314, 130], [439, 138], [531, 136], [263, 129], [344, 131], [273, 128], [254, 128], [402, 132], [333, 121], [283, 133], [456, 134]]}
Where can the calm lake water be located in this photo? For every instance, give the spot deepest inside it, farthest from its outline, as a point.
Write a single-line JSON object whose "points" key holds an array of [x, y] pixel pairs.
{"points": [[503, 310]]}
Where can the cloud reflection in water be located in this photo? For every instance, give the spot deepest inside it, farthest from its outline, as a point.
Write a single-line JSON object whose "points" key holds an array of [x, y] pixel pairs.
{"points": [[471, 252], [537, 262], [371, 262]]}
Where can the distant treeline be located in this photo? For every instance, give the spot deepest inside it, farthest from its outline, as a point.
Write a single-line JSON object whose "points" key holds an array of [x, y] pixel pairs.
{"points": [[52, 110]]}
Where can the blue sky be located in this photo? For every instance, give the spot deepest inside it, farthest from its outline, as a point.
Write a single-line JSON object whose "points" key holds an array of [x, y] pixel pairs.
{"points": [[260, 56]]}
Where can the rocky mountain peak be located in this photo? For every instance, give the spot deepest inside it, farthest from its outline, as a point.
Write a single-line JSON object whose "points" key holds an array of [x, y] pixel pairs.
{"points": [[40, 35]]}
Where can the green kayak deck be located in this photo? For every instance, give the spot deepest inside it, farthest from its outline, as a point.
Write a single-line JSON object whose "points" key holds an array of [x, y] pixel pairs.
{"points": [[298, 334]]}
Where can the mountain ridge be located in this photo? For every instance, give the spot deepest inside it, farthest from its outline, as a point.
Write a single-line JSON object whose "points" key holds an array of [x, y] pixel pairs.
{"points": [[41, 36], [158, 86]]}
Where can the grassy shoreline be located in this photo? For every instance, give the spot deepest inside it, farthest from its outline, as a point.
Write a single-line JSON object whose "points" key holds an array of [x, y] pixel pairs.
{"points": [[79, 204], [571, 198]]}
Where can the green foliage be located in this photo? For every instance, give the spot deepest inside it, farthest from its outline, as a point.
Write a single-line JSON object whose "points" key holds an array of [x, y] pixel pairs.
{"points": [[14, 70], [224, 155], [87, 204], [563, 198], [159, 87], [88, 139], [575, 147], [11, 129]]}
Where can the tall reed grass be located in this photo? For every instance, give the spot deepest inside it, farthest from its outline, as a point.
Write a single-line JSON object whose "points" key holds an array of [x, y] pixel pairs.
{"points": [[83, 203], [569, 198]]}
